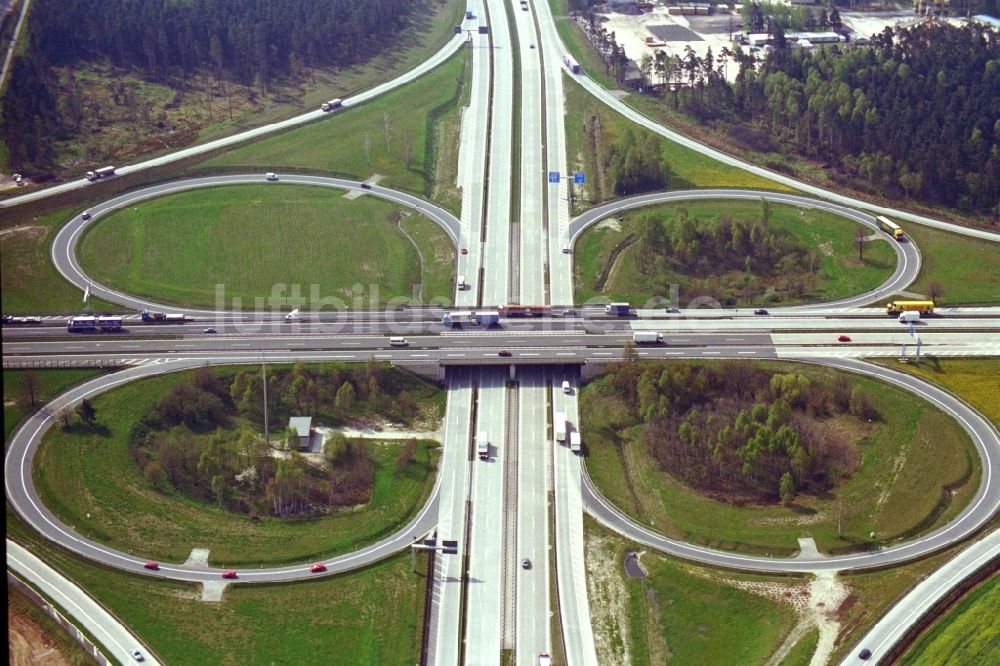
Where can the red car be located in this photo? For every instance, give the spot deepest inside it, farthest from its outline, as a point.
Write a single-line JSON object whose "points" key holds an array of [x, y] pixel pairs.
{"points": [[464, 251], [229, 574], [844, 338], [319, 567], [151, 565]]}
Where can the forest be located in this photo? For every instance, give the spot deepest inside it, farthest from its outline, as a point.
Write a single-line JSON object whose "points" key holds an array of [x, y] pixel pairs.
{"points": [[914, 114], [248, 42], [742, 433], [203, 438]]}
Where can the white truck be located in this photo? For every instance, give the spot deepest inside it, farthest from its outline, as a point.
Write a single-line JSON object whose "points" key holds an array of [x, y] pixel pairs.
{"points": [[332, 104], [483, 445], [647, 338], [103, 172], [560, 426], [293, 315], [909, 316], [574, 442]]}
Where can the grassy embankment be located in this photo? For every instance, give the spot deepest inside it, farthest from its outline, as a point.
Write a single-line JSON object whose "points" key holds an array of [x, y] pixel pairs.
{"points": [[30, 622], [423, 116], [50, 383], [373, 616], [179, 247], [90, 480], [840, 272], [968, 269], [716, 134], [917, 470]]}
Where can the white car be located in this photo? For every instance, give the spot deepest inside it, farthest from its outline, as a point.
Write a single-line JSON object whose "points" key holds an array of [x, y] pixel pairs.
{"points": [[566, 387], [137, 655], [272, 176]]}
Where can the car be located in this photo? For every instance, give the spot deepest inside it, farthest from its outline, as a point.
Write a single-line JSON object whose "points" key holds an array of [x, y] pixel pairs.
{"points": [[526, 563], [865, 654], [210, 330], [137, 655], [566, 388], [532, 45], [761, 311], [229, 574], [366, 186], [569, 312], [319, 567], [673, 310], [272, 176], [544, 659], [843, 338], [152, 565], [566, 250], [85, 215], [464, 251], [503, 352]]}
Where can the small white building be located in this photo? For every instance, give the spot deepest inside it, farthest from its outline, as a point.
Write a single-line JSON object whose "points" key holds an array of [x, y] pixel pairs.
{"points": [[302, 425]]}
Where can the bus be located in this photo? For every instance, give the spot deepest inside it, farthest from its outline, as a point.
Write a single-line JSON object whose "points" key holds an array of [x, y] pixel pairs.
{"points": [[923, 307], [889, 227]]}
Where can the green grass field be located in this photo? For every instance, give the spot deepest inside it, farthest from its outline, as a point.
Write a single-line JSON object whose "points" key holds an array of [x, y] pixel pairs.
{"points": [[372, 616], [336, 144], [688, 168], [968, 269], [967, 634], [28, 280], [260, 240], [917, 470], [975, 380], [50, 383], [80, 473], [680, 613], [801, 654], [840, 273]]}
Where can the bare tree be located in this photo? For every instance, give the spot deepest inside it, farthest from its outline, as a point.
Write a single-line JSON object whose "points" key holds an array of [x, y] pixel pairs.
{"points": [[30, 388], [366, 143], [386, 128], [935, 290], [64, 416], [859, 238], [407, 156]]}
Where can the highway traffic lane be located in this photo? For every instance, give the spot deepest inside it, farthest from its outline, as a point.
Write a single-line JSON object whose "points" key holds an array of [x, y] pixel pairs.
{"points": [[22, 495], [442, 55], [979, 511]]}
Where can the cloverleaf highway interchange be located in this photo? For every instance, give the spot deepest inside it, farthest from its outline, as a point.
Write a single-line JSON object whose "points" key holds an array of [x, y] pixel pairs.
{"points": [[508, 530]]}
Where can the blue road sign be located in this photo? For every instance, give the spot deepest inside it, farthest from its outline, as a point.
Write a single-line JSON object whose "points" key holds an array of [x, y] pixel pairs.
{"points": [[554, 177], [579, 178]]}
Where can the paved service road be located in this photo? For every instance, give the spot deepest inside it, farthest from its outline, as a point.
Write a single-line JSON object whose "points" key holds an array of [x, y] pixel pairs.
{"points": [[421, 69], [907, 254], [117, 641], [979, 511], [64, 244]]}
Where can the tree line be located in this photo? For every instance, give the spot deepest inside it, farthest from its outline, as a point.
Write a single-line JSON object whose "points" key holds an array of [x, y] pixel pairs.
{"points": [[249, 42], [913, 114], [738, 431]]}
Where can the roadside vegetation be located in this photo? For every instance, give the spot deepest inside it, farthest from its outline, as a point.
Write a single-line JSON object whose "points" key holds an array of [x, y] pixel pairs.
{"points": [[974, 380], [857, 464], [24, 391], [32, 633], [955, 269], [620, 158], [179, 247], [408, 137], [161, 465], [737, 252], [372, 616]]}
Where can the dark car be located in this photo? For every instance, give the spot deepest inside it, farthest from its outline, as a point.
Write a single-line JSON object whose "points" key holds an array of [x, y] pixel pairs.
{"points": [[503, 352], [464, 251], [151, 565], [526, 563], [209, 330], [366, 186], [319, 567], [843, 338], [760, 311], [229, 574], [865, 654], [673, 310]]}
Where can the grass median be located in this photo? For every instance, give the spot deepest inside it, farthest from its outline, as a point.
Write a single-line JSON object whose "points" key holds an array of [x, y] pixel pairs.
{"points": [[917, 469], [89, 478], [264, 240]]}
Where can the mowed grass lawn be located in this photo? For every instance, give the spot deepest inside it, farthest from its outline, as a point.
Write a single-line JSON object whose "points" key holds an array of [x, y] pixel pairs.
{"points": [[967, 634], [29, 282], [680, 613], [968, 269], [975, 380], [336, 144], [688, 168], [917, 470], [372, 616], [840, 272], [262, 239], [79, 473], [49, 384]]}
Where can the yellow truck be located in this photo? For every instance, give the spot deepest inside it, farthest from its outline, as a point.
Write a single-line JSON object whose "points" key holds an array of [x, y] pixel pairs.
{"points": [[923, 307]]}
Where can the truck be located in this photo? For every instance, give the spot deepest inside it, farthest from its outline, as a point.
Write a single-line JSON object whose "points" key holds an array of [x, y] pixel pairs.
{"points": [[560, 426], [617, 309], [647, 338], [487, 318], [483, 445], [571, 63], [103, 172], [162, 318], [517, 310], [923, 307], [458, 318], [9, 320], [909, 316], [483, 29], [468, 14], [462, 284], [524, 5], [332, 104], [889, 226], [575, 445], [293, 315]]}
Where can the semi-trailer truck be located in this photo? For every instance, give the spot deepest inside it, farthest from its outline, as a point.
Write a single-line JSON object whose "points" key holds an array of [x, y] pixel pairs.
{"points": [[470, 318], [647, 337], [332, 104], [617, 309], [162, 318], [923, 307], [560, 426], [575, 445], [103, 172]]}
